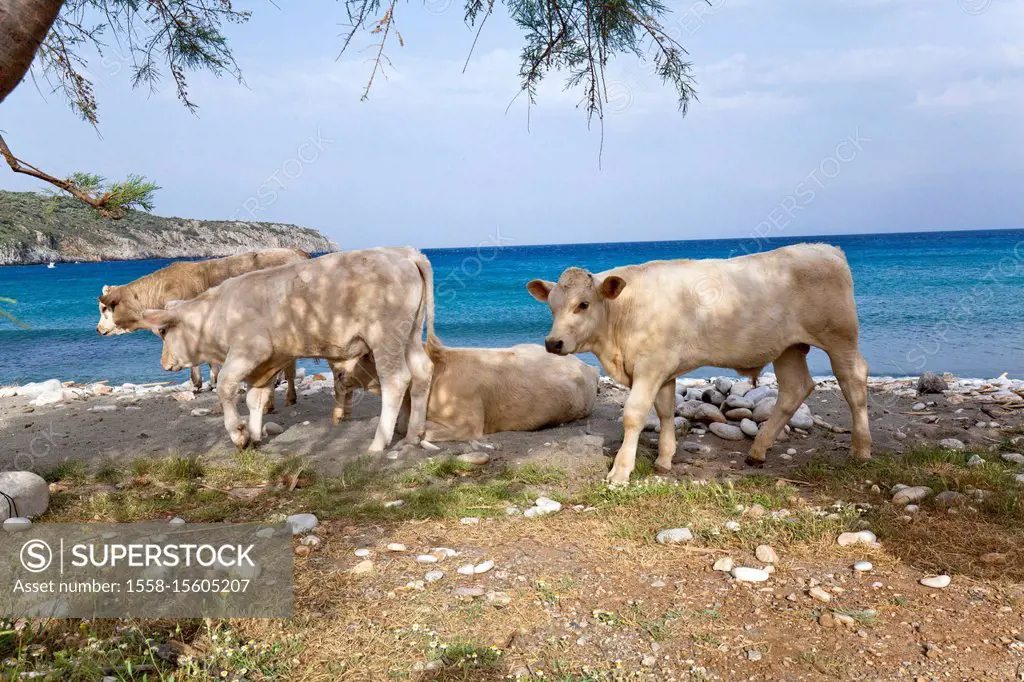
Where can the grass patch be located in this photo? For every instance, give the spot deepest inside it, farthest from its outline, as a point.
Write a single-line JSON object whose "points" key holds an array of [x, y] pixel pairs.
{"points": [[532, 473], [110, 472], [173, 469], [862, 616], [468, 656], [67, 471]]}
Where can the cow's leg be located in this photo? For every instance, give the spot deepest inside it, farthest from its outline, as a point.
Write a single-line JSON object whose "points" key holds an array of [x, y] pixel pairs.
{"points": [[235, 369], [421, 369], [634, 415], [255, 400], [393, 386], [196, 374], [342, 393], [852, 372], [795, 384], [291, 397], [214, 371], [665, 406]]}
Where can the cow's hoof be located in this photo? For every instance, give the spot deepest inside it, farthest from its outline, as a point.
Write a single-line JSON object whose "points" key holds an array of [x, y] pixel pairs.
{"points": [[860, 456], [662, 469], [240, 436], [754, 462], [617, 478]]}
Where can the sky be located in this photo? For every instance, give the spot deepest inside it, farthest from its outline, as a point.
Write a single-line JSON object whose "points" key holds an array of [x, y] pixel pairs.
{"points": [[847, 116]]}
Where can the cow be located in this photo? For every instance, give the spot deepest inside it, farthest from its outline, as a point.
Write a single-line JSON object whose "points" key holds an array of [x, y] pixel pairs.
{"points": [[478, 391], [337, 307], [121, 306], [652, 322]]}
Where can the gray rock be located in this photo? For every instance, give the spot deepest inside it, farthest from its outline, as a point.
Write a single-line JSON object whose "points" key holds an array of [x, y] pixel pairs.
{"points": [[754, 655], [930, 382], [29, 491], [766, 554], [749, 427], [689, 409], [802, 418], [710, 413], [696, 448], [740, 388], [738, 413], [713, 396], [16, 524], [739, 401], [911, 495], [763, 409], [693, 394], [949, 498], [952, 444], [1012, 457], [272, 429], [475, 458], [674, 536], [723, 385], [301, 523], [726, 431], [975, 461], [469, 592], [756, 395]]}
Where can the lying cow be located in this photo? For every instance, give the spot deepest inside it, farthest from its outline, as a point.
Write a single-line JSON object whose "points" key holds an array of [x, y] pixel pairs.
{"points": [[650, 323], [477, 391], [121, 307], [338, 307]]}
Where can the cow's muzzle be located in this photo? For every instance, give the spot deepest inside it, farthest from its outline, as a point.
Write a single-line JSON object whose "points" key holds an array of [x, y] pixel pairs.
{"points": [[556, 346]]}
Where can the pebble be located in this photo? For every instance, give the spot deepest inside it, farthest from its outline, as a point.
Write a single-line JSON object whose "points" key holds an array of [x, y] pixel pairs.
{"points": [[749, 575], [396, 547], [364, 567], [753, 655], [433, 576], [749, 427], [723, 565], [696, 448], [648, 661], [469, 592], [911, 495], [952, 444], [475, 458], [911, 508], [975, 460], [483, 567], [936, 581], [918, 407], [393, 504], [272, 429], [16, 523], [200, 412], [314, 541], [426, 559], [1013, 457], [802, 418], [723, 385], [466, 569], [469, 521], [301, 523], [726, 431], [738, 402], [864, 537], [731, 525], [443, 553], [766, 554], [177, 521], [949, 498], [842, 619], [262, 533], [498, 599], [673, 536], [819, 594], [658, 584], [362, 552], [756, 395]]}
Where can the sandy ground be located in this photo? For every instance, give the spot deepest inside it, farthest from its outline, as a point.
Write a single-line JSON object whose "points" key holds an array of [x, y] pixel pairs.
{"points": [[158, 424]]}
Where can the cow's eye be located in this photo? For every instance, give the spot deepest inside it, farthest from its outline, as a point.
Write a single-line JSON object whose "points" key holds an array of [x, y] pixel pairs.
{"points": [[582, 306], [161, 331]]}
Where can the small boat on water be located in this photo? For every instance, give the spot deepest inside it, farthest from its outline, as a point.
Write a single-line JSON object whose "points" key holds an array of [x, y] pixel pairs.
{"points": [[51, 265]]}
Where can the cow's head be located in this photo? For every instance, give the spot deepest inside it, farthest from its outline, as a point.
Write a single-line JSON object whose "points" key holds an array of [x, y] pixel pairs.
{"points": [[180, 342], [113, 317], [579, 305]]}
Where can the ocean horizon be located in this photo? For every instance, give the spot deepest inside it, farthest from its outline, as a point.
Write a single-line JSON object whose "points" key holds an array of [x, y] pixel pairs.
{"points": [[939, 301]]}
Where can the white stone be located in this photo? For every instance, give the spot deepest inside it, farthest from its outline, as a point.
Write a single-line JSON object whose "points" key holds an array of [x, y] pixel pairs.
{"points": [[975, 460], [364, 567], [791, 452], [763, 410], [723, 385], [864, 537], [103, 408], [548, 505], [29, 491], [731, 525], [433, 576], [758, 394], [16, 523], [819, 594], [740, 388], [35, 390], [301, 523], [261, 533], [469, 520], [863, 566], [936, 581], [911, 508], [709, 413], [749, 427], [726, 431], [723, 565], [466, 569], [952, 444], [362, 552], [200, 412], [766, 554], [272, 429], [393, 504], [673, 536], [749, 575], [474, 458], [443, 552], [483, 567], [1012, 457], [48, 398], [911, 495], [8, 391], [735, 401], [802, 418], [396, 547], [176, 521]]}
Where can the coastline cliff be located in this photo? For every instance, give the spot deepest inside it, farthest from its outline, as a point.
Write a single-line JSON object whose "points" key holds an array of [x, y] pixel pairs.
{"points": [[36, 228]]}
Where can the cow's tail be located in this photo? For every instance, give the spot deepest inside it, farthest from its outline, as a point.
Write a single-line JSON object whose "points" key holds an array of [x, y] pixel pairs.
{"points": [[426, 310]]}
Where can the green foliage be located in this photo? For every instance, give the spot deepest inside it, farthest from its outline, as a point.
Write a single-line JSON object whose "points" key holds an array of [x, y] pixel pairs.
{"points": [[115, 198]]}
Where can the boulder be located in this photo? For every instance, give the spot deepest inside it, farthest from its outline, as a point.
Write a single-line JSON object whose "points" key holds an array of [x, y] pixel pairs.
{"points": [[710, 413], [740, 388], [34, 390], [726, 431], [802, 418], [713, 396], [29, 492], [763, 410], [911, 495], [930, 382], [749, 427], [738, 413], [739, 401], [723, 385]]}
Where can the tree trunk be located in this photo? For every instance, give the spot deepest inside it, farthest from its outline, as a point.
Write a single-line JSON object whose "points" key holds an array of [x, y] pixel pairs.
{"points": [[23, 26]]}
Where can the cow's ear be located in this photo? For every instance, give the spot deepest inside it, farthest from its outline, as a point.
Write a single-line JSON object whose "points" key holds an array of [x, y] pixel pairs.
{"points": [[110, 297], [612, 286], [155, 319], [106, 289], [540, 289]]}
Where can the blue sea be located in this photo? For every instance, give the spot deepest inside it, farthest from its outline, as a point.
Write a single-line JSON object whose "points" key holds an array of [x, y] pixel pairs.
{"points": [[940, 301]]}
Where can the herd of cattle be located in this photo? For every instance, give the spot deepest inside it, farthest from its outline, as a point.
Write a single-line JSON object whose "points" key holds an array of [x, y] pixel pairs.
{"points": [[253, 315]]}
